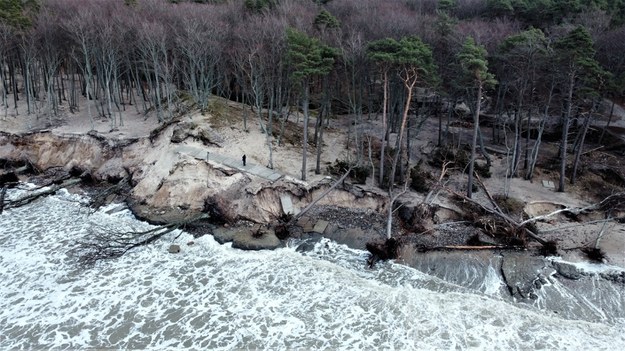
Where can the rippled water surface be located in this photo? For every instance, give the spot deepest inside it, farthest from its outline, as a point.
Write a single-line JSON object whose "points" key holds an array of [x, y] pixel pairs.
{"points": [[211, 296]]}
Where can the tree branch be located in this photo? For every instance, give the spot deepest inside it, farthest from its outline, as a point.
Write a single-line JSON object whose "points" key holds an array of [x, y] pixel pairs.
{"points": [[107, 244], [32, 196]]}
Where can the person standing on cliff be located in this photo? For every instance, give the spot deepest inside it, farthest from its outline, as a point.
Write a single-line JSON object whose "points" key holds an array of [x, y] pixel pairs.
{"points": [[243, 159]]}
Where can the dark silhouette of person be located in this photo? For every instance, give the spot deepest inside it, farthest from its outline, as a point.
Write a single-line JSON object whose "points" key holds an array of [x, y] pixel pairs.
{"points": [[243, 158]]}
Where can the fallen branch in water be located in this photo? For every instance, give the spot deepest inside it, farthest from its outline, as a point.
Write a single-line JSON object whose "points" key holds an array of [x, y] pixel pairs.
{"points": [[100, 198], [107, 244], [35, 194]]}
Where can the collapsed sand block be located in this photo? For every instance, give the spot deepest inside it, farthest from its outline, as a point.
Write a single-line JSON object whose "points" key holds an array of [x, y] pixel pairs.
{"points": [[320, 227]]}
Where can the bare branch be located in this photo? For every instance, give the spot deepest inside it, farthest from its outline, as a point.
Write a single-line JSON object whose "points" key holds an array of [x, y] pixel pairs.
{"points": [[107, 244], [34, 195]]}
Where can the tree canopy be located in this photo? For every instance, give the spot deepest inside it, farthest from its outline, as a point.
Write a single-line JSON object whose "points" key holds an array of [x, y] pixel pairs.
{"points": [[308, 56], [474, 63]]}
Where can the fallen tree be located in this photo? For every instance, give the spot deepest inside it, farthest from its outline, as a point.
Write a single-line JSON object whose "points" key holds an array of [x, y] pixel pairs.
{"points": [[105, 243], [37, 193], [614, 202]]}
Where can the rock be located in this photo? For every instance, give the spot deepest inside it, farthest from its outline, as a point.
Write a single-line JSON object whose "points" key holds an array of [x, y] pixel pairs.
{"points": [[353, 237], [614, 276], [224, 234], [308, 226], [174, 248], [320, 226], [180, 133], [208, 136], [388, 249], [567, 270], [462, 109], [524, 275], [308, 244], [332, 229], [244, 240], [190, 129], [287, 204], [302, 221]]}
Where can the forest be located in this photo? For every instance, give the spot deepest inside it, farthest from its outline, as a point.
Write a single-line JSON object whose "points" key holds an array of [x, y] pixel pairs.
{"points": [[524, 67]]}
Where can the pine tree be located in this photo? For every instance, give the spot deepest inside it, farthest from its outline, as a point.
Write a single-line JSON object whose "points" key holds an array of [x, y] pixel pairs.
{"points": [[473, 61], [308, 58], [575, 54]]}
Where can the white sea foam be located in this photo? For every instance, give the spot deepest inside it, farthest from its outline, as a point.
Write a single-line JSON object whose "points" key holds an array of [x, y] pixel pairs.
{"points": [[589, 267], [211, 296]]}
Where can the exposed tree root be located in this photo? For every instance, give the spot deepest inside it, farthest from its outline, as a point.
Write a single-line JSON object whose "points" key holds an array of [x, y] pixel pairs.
{"points": [[100, 198], [387, 250], [610, 203]]}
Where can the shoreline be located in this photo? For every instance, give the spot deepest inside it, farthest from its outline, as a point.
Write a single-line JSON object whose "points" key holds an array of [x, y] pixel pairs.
{"points": [[165, 186], [522, 271]]}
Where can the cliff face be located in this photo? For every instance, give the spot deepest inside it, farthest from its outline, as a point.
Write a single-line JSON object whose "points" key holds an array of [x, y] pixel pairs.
{"points": [[45, 150], [168, 185]]}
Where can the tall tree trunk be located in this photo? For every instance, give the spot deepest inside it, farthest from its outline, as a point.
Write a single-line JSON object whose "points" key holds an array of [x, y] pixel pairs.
{"points": [[476, 126], [305, 102], [325, 113], [14, 84], [483, 151], [272, 98], [527, 138], [578, 154], [565, 131], [409, 86], [87, 81], [440, 125], [384, 128], [392, 198], [5, 101]]}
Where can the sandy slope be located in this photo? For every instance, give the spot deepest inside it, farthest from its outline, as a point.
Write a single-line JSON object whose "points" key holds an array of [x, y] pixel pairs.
{"points": [[287, 158]]}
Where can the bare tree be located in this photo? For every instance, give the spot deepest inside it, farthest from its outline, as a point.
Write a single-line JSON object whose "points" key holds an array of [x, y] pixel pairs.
{"points": [[198, 41], [80, 27]]}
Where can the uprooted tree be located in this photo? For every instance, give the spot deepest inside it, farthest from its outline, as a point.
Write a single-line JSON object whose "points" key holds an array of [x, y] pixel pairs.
{"points": [[104, 243]]}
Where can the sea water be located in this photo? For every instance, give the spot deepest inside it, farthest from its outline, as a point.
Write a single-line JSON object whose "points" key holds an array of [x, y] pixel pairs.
{"points": [[211, 296]]}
